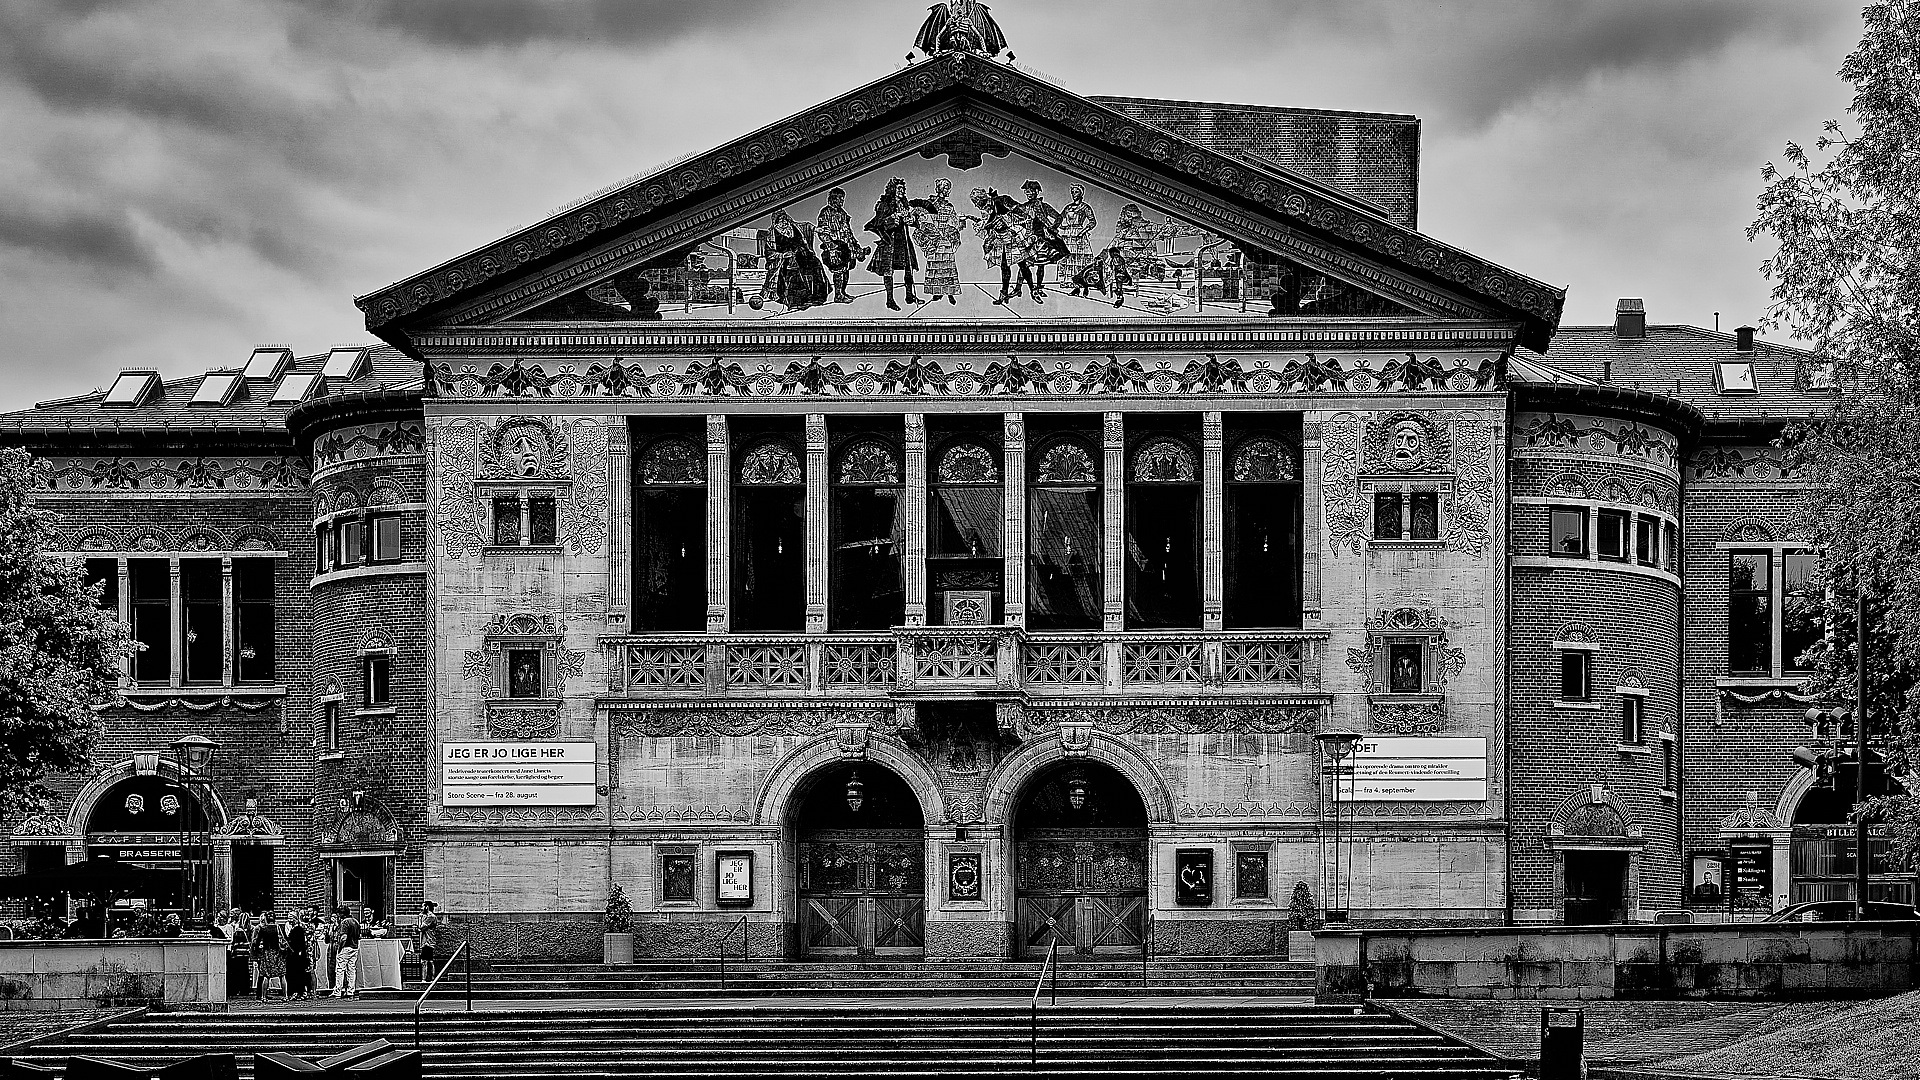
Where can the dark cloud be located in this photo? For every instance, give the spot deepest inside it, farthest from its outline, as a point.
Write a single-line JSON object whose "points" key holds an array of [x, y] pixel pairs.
{"points": [[103, 241], [488, 23]]}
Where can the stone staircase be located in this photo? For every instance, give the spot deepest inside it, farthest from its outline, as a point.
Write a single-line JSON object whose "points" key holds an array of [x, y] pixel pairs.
{"points": [[698, 978], [736, 1038]]}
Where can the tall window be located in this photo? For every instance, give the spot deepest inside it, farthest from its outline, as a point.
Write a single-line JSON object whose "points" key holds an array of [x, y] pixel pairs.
{"points": [[670, 536], [868, 522], [1568, 531], [1576, 675], [253, 620], [1801, 626], [1163, 536], [352, 533], [201, 618], [1632, 718], [386, 538], [1065, 553], [378, 682], [506, 520], [543, 521], [1612, 541], [1262, 558], [152, 601], [769, 541], [1750, 613], [1389, 519], [965, 525]]}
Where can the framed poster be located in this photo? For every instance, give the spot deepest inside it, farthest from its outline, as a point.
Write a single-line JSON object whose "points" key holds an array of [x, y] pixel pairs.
{"points": [[676, 877], [1193, 877], [963, 877], [1250, 875], [733, 878]]}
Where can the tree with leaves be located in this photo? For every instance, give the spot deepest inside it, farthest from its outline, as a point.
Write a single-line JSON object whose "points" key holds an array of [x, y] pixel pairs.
{"points": [[1846, 279], [60, 652]]}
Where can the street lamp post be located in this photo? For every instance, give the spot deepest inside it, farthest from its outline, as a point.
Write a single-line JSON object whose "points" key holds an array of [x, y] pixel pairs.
{"points": [[192, 753], [1339, 746]]}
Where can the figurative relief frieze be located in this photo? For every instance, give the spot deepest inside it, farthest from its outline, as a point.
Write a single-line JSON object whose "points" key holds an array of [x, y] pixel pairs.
{"points": [[198, 473], [367, 442], [962, 376], [1738, 463], [1615, 438], [932, 248]]}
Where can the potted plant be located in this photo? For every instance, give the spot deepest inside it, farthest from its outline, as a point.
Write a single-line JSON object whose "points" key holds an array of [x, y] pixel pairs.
{"points": [[617, 943], [1303, 918]]}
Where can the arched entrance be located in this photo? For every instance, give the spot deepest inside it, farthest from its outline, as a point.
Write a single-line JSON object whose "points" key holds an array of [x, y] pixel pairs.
{"points": [[1080, 861], [861, 858], [1824, 840], [152, 820]]}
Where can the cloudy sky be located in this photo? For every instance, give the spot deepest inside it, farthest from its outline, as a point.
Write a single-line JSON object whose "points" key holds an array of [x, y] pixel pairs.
{"points": [[183, 180]]}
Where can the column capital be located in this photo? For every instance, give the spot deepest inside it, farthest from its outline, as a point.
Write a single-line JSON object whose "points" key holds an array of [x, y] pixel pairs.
{"points": [[816, 431], [1113, 428], [717, 433], [1212, 429], [1016, 426], [916, 427]]}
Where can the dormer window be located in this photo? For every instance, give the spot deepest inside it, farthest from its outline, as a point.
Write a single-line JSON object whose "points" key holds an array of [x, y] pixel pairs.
{"points": [[216, 389], [1736, 377], [296, 388], [267, 364], [345, 364], [132, 389]]}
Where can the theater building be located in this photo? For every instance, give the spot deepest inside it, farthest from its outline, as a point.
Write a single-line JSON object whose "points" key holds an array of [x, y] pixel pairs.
{"points": [[942, 523]]}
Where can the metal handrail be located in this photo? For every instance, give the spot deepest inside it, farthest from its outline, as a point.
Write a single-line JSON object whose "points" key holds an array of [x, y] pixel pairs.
{"points": [[1146, 953], [1033, 1018], [721, 950], [465, 955]]}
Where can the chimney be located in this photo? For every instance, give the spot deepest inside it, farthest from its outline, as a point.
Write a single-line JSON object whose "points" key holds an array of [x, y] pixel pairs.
{"points": [[1743, 339], [1630, 318]]}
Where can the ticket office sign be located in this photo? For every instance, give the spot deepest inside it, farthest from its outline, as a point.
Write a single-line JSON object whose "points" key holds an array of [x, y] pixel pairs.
{"points": [[517, 773], [1391, 769]]}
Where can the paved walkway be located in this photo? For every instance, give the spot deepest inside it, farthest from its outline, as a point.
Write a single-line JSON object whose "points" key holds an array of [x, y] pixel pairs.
{"points": [[443, 1002]]}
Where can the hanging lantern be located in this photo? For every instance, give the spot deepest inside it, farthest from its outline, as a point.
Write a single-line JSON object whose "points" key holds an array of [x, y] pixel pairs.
{"points": [[856, 792], [1077, 791]]}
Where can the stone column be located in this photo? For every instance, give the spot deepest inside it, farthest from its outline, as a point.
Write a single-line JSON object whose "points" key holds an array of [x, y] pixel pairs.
{"points": [[1014, 545], [817, 555], [226, 619], [1312, 520], [719, 524], [1113, 479], [126, 620], [1213, 515], [913, 564], [177, 631], [619, 526]]}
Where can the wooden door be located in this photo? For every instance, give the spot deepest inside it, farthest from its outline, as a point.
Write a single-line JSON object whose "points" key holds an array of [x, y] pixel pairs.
{"points": [[863, 894], [1086, 889]]}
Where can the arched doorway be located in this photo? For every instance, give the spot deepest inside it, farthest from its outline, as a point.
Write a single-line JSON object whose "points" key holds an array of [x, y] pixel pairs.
{"points": [[1080, 862], [152, 820], [1821, 860], [861, 857]]}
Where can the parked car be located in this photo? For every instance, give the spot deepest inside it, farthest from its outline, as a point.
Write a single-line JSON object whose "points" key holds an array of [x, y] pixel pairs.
{"points": [[1842, 911]]}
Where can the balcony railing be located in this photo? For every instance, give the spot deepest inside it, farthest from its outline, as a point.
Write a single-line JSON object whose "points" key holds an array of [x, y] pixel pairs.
{"points": [[1000, 660]]}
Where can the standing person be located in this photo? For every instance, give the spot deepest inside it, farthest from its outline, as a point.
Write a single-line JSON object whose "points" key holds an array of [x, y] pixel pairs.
{"points": [[346, 957], [321, 947], [1042, 222], [1004, 239], [894, 250], [299, 979], [1076, 227], [839, 248], [269, 955], [429, 938], [938, 227]]}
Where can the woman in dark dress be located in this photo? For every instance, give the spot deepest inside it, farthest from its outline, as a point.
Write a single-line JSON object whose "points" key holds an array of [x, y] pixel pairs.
{"points": [[795, 275], [269, 956], [892, 216], [297, 979]]}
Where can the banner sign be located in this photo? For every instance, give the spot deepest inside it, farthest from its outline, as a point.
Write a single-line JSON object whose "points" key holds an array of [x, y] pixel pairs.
{"points": [[517, 774], [1414, 769]]}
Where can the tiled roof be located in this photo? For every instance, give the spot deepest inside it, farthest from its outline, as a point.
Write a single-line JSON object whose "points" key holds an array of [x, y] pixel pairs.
{"points": [[251, 406], [1682, 362], [1371, 156]]}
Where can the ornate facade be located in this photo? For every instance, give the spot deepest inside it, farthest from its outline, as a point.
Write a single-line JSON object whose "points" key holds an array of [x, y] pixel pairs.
{"points": [[660, 546]]}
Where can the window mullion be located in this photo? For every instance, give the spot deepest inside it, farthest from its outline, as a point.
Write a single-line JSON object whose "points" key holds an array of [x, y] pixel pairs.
{"points": [[228, 654]]}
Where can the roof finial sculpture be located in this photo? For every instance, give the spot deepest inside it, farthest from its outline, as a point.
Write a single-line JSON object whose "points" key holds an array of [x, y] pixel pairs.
{"points": [[960, 26]]}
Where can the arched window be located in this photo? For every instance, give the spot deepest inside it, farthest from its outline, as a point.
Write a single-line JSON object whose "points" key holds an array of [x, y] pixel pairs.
{"points": [[769, 540], [1064, 547], [868, 522], [1163, 535], [966, 529], [1262, 533], [670, 536]]}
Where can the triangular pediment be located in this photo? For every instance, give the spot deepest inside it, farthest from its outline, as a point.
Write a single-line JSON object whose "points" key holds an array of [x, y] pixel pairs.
{"points": [[1162, 229]]}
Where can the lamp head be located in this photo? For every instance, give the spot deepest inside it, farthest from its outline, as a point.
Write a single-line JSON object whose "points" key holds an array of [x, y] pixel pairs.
{"points": [[1077, 791], [1338, 744], [194, 752], [856, 792]]}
